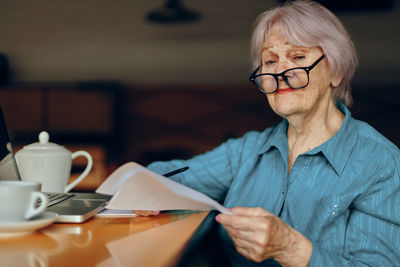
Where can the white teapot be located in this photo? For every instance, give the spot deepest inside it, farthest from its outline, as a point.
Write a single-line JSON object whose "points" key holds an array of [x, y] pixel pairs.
{"points": [[50, 165]]}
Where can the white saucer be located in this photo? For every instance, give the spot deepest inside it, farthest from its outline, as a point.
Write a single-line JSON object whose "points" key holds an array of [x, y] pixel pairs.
{"points": [[9, 229]]}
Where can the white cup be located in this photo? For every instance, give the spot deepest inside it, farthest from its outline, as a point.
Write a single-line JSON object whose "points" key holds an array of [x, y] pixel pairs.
{"points": [[20, 201]]}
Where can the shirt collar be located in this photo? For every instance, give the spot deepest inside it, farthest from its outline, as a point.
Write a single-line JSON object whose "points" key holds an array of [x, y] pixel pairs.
{"points": [[277, 138], [337, 149]]}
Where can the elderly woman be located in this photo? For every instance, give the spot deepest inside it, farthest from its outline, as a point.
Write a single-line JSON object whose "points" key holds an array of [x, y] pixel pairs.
{"points": [[320, 188]]}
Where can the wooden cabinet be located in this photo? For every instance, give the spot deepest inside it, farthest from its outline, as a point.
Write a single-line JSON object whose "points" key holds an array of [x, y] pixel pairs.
{"points": [[81, 111], [22, 109], [72, 113]]}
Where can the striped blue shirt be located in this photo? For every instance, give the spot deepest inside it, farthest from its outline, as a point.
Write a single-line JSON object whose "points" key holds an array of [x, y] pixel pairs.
{"points": [[343, 195]]}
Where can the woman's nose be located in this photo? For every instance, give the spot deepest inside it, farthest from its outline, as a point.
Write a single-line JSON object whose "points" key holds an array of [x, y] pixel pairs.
{"points": [[281, 66]]}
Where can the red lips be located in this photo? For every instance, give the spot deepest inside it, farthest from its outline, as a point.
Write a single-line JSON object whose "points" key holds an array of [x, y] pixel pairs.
{"points": [[285, 90]]}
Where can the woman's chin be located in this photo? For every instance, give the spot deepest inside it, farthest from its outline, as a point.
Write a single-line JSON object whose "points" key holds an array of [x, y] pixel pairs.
{"points": [[285, 112], [286, 108]]}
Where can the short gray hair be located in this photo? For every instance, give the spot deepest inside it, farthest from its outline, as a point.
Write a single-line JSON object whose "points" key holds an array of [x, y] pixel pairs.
{"points": [[306, 23]]}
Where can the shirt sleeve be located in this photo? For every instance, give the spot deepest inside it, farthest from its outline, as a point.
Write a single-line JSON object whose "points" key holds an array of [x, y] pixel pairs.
{"points": [[373, 229], [212, 172]]}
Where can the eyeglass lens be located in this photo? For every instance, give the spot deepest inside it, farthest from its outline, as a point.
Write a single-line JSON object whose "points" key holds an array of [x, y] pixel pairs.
{"points": [[296, 78]]}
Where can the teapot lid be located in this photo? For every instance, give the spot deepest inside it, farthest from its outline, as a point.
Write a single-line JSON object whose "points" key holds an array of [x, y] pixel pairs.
{"points": [[44, 143]]}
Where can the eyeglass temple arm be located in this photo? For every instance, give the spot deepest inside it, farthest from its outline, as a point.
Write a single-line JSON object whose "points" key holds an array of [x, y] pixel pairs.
{"points": [[252, 76], [316, 62]]}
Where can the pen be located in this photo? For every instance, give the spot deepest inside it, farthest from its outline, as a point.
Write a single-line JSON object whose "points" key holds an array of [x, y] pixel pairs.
{"points": [[176, 171]]}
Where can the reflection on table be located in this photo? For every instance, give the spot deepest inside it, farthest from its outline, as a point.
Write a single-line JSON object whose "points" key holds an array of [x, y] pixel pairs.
{"points": [[105, 242]]}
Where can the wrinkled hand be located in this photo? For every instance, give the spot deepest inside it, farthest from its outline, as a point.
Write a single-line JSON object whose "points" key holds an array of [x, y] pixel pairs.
{"points": [[259, 235], [146, 212]]}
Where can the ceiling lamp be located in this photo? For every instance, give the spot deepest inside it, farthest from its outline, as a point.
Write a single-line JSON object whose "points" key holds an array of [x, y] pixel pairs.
{"points": [[172, 12]]}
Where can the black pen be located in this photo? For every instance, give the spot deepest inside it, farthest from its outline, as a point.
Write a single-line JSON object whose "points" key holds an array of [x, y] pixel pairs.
{"points": [[176, 171]]}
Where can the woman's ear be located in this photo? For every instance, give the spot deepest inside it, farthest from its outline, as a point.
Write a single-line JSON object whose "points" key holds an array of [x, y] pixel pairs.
{"points": [[336, 81]]}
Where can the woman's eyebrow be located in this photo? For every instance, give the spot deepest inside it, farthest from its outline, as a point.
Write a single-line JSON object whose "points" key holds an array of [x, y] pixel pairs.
{"points": [[265, 52], [299, 49]]}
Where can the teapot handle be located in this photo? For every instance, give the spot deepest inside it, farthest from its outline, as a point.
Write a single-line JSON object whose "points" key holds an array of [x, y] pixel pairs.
{"points": [[84, 173]]}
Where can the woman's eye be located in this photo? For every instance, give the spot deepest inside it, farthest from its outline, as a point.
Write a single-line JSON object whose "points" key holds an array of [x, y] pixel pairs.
{"points": [[299, 57], [269, 62]]}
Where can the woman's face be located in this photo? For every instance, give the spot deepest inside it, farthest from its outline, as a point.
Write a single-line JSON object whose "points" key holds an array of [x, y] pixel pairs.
{"points": [[279, 55]]}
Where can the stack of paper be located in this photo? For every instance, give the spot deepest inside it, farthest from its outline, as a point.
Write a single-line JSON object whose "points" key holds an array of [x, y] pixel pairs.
{"points": [[135, 187]]}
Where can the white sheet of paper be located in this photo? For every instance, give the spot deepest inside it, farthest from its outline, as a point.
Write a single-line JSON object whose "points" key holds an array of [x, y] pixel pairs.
{"points": [[136, 188], [107, 213]]}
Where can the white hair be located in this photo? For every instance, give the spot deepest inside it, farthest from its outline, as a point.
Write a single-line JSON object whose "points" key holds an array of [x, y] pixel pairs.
{"points": [[309, 24]]}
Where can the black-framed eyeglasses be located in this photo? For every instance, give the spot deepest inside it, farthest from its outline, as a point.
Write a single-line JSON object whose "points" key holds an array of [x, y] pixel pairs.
{"points": [[295, 78]]}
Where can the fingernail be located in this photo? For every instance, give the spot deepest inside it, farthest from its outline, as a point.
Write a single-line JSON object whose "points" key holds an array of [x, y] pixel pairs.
{"points": [[156, 212], [217, 218]]}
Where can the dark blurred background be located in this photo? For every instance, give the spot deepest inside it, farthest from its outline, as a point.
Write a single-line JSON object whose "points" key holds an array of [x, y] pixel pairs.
{"points": [[162, 79]]}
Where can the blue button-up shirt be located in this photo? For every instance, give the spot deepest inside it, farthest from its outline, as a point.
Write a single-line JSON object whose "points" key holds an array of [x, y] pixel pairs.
{"points": [[343, 195]]}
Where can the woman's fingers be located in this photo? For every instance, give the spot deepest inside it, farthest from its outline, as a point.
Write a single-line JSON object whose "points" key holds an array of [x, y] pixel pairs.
{"points": [[244, 222], [146, 212], [256, 233], [250, 211]]}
